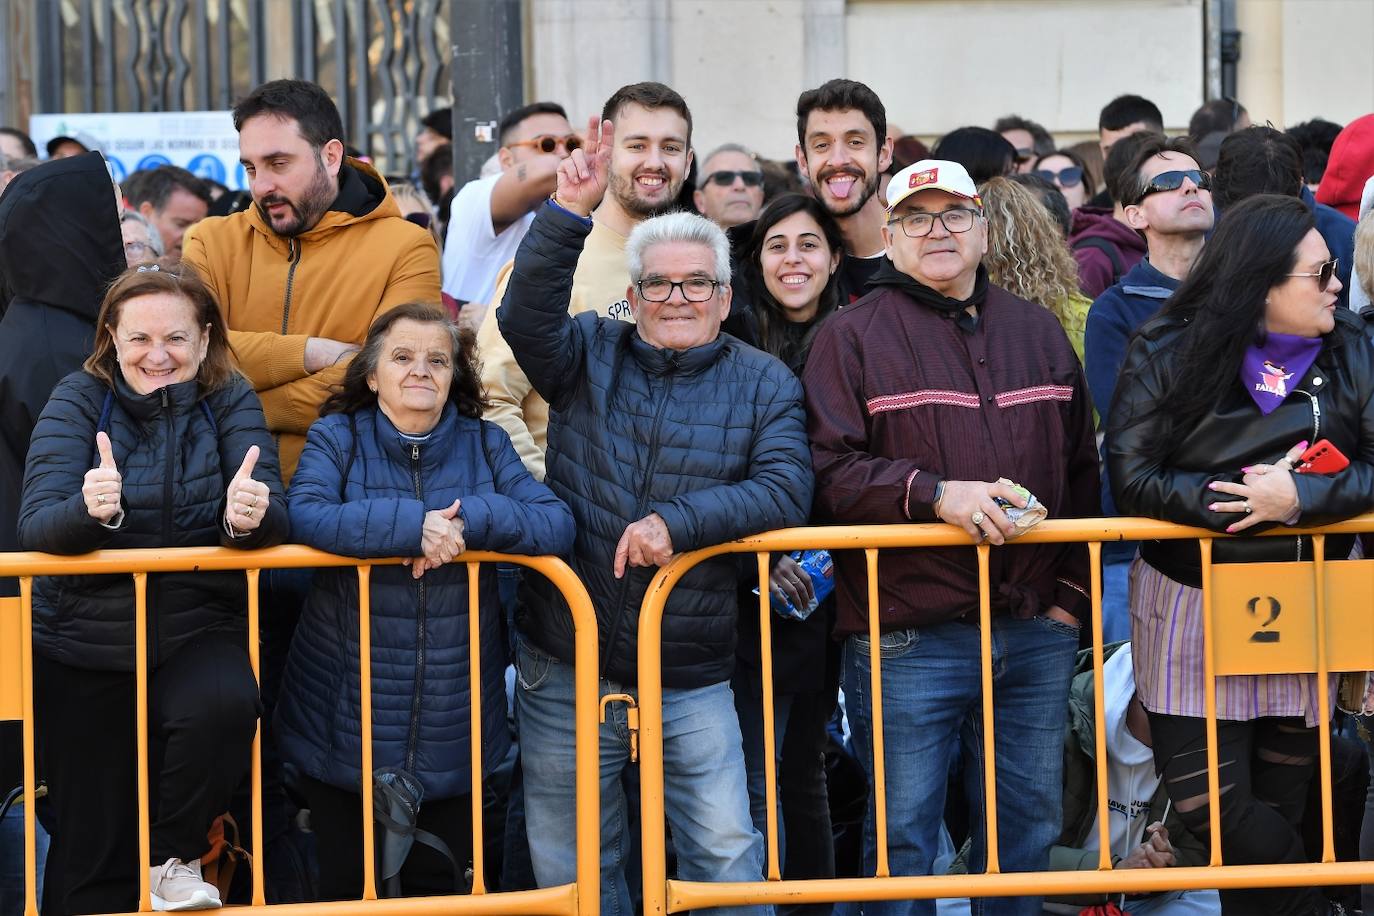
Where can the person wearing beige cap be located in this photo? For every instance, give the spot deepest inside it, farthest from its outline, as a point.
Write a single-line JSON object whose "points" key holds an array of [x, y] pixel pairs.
{"points": [[925, 400]]}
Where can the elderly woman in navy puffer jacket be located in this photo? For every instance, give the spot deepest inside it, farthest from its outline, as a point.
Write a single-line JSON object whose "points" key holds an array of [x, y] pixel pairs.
{"points": [[402, 465]]}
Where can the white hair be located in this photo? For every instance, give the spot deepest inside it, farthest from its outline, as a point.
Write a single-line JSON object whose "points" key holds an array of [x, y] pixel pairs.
{"points": [[682, 228]]}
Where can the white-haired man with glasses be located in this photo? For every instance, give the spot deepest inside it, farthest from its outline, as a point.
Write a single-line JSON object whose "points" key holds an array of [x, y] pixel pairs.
{"points": [[664, 436], [925, 400]]}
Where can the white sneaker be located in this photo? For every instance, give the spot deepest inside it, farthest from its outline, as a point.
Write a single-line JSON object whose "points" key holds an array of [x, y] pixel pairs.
{"points": [[177, 885]]}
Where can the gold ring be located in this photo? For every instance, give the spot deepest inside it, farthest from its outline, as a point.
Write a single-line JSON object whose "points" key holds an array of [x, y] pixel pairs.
{"points": [[255, 500], [977, 517], [248, 513], [100, 498]]}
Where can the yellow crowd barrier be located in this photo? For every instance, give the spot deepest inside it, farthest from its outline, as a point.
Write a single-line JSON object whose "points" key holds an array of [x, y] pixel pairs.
{"points": [[16, 702], [1312, 635]]}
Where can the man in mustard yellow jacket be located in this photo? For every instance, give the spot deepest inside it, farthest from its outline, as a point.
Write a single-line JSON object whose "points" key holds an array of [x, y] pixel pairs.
{"points": [[302, 273]]}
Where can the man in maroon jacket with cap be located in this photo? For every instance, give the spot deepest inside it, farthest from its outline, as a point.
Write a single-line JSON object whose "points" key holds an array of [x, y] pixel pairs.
{"points": [[924, 399]]}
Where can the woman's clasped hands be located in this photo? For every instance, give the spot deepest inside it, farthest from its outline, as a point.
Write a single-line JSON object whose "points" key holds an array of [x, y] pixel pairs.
{"points": [[441, 539], [1267, 493]]}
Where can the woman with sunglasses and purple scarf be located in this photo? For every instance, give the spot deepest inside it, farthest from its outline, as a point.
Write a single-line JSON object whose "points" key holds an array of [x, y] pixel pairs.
{"points": [[1249, 363]]}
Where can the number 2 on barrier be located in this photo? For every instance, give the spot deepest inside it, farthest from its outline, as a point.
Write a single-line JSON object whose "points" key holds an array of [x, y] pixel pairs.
{"points": [[1265, 617]]}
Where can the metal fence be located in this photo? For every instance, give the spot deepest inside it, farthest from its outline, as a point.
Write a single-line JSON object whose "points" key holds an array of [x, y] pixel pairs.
{"points": [[385, 62], [1326, 628], [17, 702]]}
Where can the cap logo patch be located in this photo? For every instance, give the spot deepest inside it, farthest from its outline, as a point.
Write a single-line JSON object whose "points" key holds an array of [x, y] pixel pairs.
{"points": [[921, 179]]}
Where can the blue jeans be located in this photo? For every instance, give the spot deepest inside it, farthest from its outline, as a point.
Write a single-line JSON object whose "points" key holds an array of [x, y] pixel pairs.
{"points": [[12, 860], [932, 684], [705, 799], [1116, 600]]}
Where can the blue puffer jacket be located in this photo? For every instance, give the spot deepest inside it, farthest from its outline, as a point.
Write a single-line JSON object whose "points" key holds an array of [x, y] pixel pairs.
{"points": [[712, 439], [367, 497], [176, 449]]}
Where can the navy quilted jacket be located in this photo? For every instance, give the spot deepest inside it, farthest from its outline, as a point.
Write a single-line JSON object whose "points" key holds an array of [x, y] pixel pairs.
{"points": [[176, 452], [367, 497], [712, 438]]}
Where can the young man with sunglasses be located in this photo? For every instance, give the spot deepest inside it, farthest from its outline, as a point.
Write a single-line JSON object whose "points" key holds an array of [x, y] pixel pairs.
{"points": [[924, 400], [491, 215], [1168, 199], [730, 190]]}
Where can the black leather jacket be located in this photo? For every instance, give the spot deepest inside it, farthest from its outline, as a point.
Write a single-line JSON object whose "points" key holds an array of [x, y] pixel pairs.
{"points": [[1334, 400]]}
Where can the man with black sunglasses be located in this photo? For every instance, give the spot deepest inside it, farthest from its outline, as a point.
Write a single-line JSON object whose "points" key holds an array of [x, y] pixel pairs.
{"points": [[730, 190], [491, 215], [1167, 199]]}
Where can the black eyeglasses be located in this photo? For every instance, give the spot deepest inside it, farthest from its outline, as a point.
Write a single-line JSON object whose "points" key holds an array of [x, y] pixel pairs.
{"points": [[1067, 177], [918, 225], [1173, 180], [725, 178], [1323, 274], [547, 143], [660, 289]]}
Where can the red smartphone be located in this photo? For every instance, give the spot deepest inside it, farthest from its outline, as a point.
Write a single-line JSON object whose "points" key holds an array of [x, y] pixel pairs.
{"points": [[1321, 458]]}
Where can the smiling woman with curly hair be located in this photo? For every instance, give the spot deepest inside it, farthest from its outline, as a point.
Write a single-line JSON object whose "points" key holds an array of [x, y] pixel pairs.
{"points": [[1027, 255]]}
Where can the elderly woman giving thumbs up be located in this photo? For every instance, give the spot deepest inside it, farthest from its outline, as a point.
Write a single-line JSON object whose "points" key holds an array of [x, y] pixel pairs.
{"points": [[157, 442]]}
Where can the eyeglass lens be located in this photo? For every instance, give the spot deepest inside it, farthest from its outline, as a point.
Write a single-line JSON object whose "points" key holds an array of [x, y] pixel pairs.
{"points": [[547, 143], [1067, 177], [726, 178], [1324, 275], [1173, 180], [919, 225], [694, 289]]}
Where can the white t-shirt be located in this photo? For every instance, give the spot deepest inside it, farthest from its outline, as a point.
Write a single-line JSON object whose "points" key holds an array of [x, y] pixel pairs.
{"points": [[1131, 777], [473, 254]]}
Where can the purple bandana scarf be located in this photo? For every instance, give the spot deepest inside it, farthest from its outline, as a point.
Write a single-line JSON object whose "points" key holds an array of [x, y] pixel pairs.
{"points": [[1270, 371]]}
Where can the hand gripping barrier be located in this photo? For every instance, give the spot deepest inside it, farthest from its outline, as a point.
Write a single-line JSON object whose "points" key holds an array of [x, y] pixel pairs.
{"points": [[1235, 642], [16, 701]]}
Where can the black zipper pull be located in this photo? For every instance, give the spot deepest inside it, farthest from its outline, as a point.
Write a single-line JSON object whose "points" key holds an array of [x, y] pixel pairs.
{"points": [[415, 452], [163, 392]]}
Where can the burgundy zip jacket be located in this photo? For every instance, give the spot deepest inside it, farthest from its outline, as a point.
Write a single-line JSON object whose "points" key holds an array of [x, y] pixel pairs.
{"points": [[899, 396]]}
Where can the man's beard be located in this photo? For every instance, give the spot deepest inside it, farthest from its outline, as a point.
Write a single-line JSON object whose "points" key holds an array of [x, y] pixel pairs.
{"points": [[631, 203], [314, 203], [866, 186]]}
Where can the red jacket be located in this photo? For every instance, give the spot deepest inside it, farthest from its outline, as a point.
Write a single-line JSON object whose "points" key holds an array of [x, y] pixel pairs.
{"points": [[1349, 166], [898, 397]]}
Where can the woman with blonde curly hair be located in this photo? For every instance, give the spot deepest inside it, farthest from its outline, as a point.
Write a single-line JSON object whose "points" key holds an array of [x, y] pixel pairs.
{"points": [[1027, 255]]}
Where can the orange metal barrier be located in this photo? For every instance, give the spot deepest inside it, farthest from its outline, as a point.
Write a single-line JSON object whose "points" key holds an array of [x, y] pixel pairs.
{"points": [[16, 701], [1318, 638]]}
